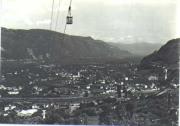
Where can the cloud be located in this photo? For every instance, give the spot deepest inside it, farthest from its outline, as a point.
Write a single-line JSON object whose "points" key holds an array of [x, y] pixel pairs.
{"points": [[103, 19]]}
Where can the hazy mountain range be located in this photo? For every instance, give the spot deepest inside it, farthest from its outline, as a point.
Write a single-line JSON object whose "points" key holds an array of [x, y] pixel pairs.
{"points": [[140, 48]]}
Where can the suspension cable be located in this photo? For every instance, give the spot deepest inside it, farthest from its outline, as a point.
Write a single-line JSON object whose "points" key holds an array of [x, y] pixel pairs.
{"points": [[52, 11], [67, 15], [66, 23], [58, 13], [70, 2]]}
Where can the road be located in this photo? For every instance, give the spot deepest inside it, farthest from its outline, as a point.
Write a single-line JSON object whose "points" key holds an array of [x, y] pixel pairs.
{"points": [[53, 100], [63, 99]]}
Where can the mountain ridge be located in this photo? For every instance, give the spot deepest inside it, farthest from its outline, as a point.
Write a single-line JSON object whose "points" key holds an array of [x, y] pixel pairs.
{"points": [[50, 45], [167, 55]]}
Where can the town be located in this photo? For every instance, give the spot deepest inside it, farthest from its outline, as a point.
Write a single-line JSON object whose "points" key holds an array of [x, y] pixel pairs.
{"points": [[116, 93]]}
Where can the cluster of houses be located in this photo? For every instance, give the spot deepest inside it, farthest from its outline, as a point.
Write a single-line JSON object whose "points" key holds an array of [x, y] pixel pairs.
{"points": [[113, 80]]}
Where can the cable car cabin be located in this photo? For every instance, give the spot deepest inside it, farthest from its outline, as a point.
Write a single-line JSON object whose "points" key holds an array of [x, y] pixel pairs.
{"points": [[69, 20]]}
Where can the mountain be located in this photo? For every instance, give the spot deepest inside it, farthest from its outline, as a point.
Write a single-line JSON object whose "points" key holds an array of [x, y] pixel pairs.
{"points": [[142, 48], [48, 45], [167, 55]]}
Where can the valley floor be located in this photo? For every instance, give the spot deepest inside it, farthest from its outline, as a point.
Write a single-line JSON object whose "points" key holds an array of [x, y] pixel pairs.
{"points": [[113, 94]]}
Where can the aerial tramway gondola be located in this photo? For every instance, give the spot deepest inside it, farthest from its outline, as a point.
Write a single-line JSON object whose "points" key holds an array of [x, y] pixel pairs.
{"points": [[69, 18]]}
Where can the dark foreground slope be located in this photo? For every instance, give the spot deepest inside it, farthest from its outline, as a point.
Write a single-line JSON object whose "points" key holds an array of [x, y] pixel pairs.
{"points": [[47, 45]]}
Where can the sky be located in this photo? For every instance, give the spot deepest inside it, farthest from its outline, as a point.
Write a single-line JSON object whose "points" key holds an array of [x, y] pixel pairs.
{"points": [[125, 21]]}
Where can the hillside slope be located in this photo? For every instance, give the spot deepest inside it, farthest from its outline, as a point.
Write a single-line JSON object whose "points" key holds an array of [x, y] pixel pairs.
{"points": [[48, 45], [167, 55]]}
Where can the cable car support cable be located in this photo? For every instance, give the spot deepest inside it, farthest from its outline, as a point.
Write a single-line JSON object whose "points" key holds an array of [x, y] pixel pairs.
{"points": [[69, 17], [69, 12], [58, 13], [52, 12]]}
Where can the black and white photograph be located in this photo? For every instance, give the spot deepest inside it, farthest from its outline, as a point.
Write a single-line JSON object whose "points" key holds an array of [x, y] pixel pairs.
{"points": [[89, 62]]}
